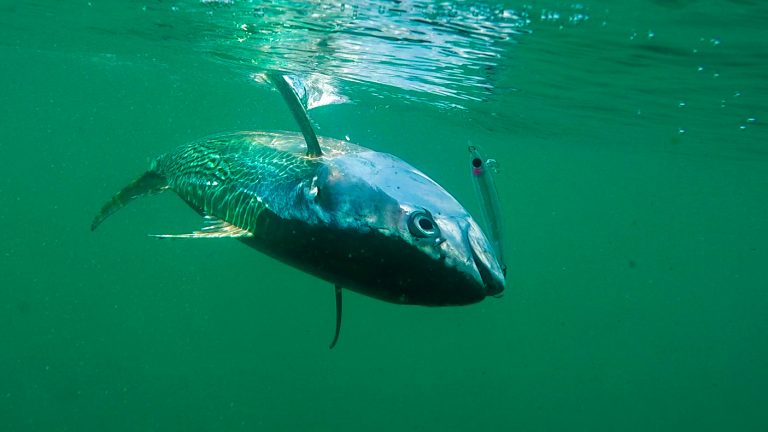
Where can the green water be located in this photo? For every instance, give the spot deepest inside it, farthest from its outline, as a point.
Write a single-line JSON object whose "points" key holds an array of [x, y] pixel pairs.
{"points": [[631, 141]]}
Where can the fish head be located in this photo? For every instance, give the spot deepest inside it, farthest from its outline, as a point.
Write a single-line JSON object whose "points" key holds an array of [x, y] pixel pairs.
{"points": [[402, 236]]}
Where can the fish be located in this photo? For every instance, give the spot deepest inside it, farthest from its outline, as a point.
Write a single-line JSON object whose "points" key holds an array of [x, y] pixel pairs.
{"points": [[360, 219]]}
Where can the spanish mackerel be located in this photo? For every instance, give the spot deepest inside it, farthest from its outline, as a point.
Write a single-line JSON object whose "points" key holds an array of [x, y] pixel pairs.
{"points": [[360, 219]]}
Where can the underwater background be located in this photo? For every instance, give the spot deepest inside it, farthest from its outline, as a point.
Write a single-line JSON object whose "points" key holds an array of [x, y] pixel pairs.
{"points": [[632, 169]]}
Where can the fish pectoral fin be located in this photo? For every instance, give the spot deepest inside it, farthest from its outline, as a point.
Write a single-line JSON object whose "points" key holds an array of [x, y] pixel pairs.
{"points": [[337, 291], [214, 228], [284, 85]]}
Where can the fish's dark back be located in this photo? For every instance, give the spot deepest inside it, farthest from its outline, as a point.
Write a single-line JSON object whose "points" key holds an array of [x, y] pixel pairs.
{"points": [[235, 178]]}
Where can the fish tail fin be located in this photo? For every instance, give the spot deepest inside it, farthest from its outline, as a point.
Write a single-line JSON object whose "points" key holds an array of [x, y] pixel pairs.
{"points": [[151, 182]]}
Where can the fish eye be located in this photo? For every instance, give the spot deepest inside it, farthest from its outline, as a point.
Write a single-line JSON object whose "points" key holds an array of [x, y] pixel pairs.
{"points": [[477, 162], [421, 224]]}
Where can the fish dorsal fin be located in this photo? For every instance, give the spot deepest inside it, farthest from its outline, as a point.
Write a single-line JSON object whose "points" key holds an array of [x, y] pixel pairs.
{"points": [[213, 228], [337, 291], [283, 85]]}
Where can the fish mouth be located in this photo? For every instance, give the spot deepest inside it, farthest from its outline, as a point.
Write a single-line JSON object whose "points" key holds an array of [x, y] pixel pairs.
{"points": [[493, 286], [491, 273]]}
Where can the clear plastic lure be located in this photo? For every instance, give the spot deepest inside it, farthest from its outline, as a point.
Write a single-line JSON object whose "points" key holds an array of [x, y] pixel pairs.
{"points": [[489, 201]]}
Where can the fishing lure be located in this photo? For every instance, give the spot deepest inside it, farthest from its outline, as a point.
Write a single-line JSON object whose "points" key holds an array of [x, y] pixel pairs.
{"points": [[485, 188]]}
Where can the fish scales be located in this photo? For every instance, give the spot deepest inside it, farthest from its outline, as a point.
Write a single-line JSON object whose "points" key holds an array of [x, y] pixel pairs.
{"points": [[232, 177]]}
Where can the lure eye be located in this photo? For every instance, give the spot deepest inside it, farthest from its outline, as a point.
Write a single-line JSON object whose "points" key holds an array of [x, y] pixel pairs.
{"points": [[421, 224]]}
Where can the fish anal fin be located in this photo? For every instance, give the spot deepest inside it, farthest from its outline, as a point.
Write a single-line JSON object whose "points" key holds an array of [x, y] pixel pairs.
{"points": [[214, 228], [337, 291]]}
